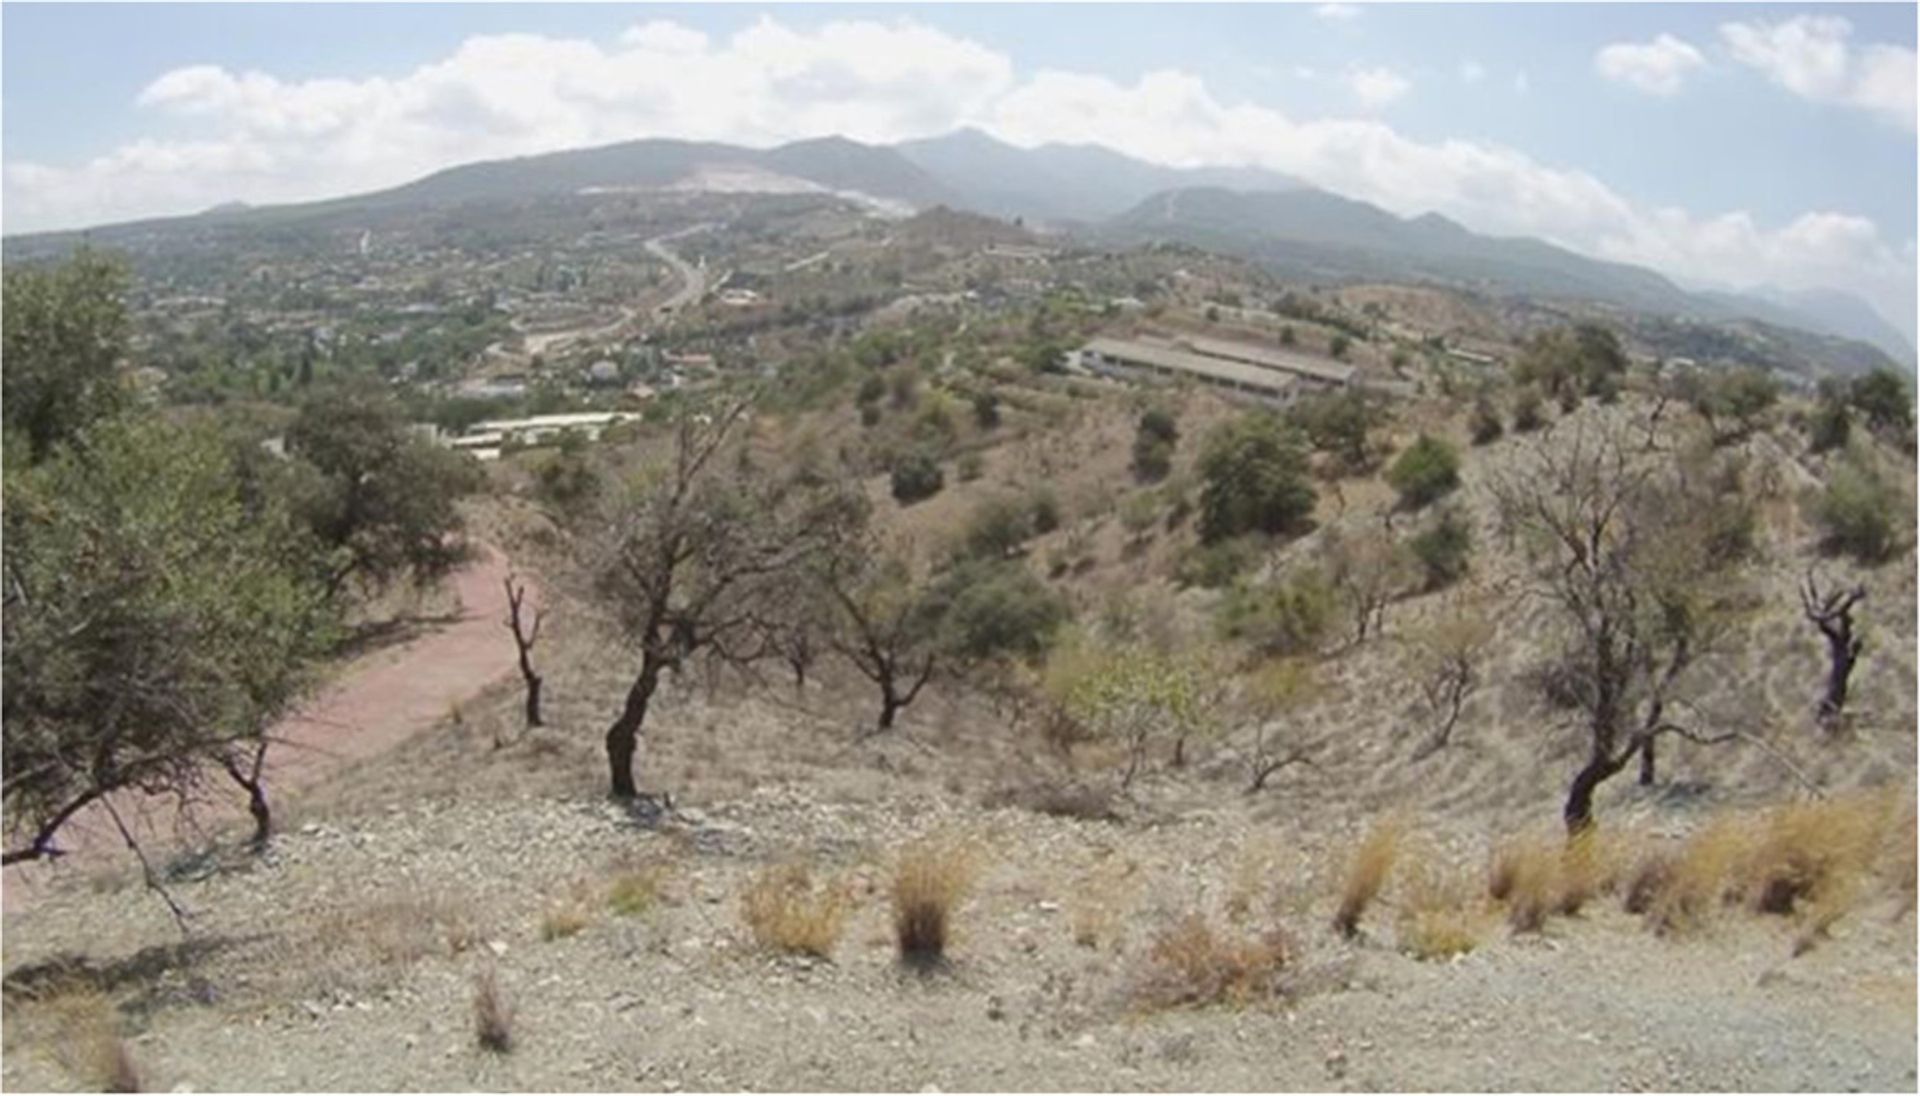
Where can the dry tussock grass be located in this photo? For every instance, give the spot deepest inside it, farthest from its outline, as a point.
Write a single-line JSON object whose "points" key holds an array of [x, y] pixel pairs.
{"points": [[569, 915], [636, 887], [787, 912], [492, 1014], [394, 934], [930, 881], [1367, 873], [1439, 917], [1191, 964], [78, 1026], [1099, 904], [1805, 850]]}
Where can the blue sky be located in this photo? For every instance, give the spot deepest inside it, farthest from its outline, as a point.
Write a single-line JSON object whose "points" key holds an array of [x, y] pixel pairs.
{"points": [[1730, 144]]}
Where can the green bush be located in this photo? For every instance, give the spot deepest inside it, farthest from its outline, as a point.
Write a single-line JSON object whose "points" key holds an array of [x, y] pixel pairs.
{"points": [[1528, 414], [1442, 550], [917, 476], [1486, 421], [994, 609], [1882, 396], [1211, 566], [1287, 617], [1254, 479], [986, 409], [1857, 511], [1338, 423], [1426, 471], [1153, 445], [1829, 424]]}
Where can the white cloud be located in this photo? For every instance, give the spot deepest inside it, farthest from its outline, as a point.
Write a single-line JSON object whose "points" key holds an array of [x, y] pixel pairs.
{"points": [[1472, 72], [1658, 67], [261, 139], [1338, 13], [1521, 85], [1811, 56], [1376, 87]]}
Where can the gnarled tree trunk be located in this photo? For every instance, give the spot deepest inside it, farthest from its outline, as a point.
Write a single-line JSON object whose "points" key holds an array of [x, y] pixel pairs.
{"points": [[623, 736]]}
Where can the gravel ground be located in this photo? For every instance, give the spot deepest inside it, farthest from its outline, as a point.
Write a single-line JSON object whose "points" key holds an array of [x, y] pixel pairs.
{"points": [[310, 977]]}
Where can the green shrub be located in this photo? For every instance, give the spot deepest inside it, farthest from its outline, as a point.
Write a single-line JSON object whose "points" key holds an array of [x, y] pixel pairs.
{"points": [[1286, 617], [1856, 512], [992, 609], [1486, 421], [1254, 479], [1829, 425], [986, 409], [1882, 396], [917, 476], [1338, 424], [1212, 566], [1442, 550], [1153, 445], [1426, 471], [1528, 414]]}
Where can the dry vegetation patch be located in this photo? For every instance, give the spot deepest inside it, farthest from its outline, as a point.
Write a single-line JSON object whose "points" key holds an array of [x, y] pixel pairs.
{"points": [[932, 878], [787, 911], [1367, 873], [78, 1026], [1191, 963], [492, 1013]]}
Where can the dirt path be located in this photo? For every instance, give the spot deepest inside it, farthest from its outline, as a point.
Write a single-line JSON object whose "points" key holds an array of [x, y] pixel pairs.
{"points": [[379, 701]]}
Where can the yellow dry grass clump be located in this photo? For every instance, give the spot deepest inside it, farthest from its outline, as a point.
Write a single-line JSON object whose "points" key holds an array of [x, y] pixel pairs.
{"points": [[78, 1026], [1811, 861], [1192, 963], [1543, 877], [930, 881], [1367, 873], [569, 915], [787, 912], [1439, 917]]}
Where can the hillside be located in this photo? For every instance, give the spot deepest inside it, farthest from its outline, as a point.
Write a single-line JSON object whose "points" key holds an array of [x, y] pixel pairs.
{"points": [[622, 940]]}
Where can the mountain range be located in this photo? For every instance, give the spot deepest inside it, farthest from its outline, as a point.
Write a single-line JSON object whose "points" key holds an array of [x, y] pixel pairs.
{"points": [[1095, 192]]}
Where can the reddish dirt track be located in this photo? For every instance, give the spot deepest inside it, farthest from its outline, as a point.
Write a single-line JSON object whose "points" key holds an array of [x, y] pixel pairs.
{"points": [[378, 702]]}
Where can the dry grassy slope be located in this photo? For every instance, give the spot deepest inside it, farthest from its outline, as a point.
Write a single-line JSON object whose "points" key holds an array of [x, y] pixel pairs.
{"points": [[347, 960]]}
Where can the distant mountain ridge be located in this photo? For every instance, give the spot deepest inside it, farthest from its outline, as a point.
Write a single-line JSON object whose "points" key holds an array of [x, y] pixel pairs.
{"points": [[1064, 183], [1274, 219]]}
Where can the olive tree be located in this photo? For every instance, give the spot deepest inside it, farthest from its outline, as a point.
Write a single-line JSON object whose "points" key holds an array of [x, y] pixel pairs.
{"points": [[65, 332], [156, 624], [381, 499]]}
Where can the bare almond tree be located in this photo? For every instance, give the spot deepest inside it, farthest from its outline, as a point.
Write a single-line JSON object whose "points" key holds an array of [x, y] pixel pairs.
{"points": [[525, 635], [1831, 611], [1446, 662], [884, 629], [690, 561], [1637, 585]]}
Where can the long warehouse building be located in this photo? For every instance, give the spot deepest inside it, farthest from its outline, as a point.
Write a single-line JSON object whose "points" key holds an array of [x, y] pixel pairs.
{"points": [[1233, 367]]}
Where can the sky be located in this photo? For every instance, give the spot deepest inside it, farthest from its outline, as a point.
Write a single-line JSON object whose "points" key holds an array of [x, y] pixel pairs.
{"points": [[1724, 145]]}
